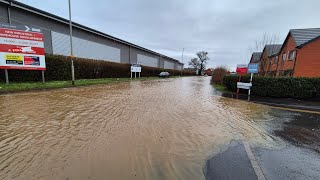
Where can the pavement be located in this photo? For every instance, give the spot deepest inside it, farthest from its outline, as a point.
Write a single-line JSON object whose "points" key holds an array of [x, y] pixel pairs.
{"points": [[231, 164], [295, 156], [298, 158], [309, 105]]}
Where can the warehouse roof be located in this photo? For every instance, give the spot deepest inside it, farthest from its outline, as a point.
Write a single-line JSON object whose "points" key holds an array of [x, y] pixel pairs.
{"points": [[303, 36], [85, 28], [255, 57]]}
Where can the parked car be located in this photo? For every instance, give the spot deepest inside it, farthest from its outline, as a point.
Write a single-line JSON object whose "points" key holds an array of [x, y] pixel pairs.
{"points": [[164, 74]]}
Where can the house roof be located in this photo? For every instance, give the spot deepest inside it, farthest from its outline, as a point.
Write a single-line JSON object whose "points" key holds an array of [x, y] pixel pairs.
{"points": [[255, 57], [303, 36], [273, 49]]}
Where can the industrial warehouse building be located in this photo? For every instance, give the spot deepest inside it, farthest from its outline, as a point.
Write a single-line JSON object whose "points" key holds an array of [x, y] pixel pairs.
{"points": [[88, 43]]}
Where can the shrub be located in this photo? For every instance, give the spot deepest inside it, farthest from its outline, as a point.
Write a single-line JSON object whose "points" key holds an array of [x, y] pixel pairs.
{"points": [[59, 68], [218, 74], [286, 87]]}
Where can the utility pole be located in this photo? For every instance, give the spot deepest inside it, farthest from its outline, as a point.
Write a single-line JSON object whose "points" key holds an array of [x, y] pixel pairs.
{"points": [[71, 46], [182, 60]]}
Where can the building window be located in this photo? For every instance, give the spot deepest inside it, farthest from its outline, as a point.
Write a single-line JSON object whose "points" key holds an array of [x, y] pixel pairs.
{"points": [[276, 60], [291, 55], [284, 56]]}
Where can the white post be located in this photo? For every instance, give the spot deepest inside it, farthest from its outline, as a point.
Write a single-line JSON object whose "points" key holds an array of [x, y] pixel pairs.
{"points": [[249, 92], [135, 75], [139, 74]]}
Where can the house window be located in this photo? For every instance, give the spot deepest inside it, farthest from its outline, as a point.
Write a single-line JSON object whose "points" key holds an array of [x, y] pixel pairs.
{"points": [[284, 56], [276, 60], [291, 55]]}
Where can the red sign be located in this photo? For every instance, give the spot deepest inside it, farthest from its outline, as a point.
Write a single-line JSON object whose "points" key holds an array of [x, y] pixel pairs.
{"points": [[21, 48], [242, 68]]}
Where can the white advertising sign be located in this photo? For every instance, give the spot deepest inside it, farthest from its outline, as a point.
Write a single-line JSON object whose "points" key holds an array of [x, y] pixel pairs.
{"points": [[21, 47]]}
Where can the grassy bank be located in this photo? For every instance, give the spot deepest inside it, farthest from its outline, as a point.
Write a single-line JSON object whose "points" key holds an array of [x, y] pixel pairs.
{"points": [[221, 88], [25, 86]]}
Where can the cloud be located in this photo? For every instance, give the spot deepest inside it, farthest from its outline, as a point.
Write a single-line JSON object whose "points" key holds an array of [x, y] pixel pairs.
{"points": [[226, 29]]}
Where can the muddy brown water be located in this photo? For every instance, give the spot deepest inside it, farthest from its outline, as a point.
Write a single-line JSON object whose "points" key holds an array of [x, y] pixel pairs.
{"points": [[158, 129]]}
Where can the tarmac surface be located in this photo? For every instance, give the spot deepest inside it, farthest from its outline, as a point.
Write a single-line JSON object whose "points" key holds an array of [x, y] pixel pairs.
{"points": [[295, 155], [231, 164]]}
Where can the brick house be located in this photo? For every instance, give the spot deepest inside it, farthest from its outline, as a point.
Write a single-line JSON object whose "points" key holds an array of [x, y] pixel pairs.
{"points": [[255, 57], [300, 54], [268, 60]]}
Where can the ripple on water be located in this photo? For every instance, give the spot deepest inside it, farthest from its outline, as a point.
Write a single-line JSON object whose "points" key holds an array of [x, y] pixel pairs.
{"points": [[161, 129]]}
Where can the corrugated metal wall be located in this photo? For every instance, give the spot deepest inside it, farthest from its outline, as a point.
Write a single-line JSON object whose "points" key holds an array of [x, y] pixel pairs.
{"points": [[179, 67], [147, 60], [168, 65], [127, 54], [83, 48]]}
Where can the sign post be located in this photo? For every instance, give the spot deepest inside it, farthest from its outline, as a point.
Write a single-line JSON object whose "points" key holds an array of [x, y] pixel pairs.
{"points": [[135, 68], [252, 68], [21, 47], [241, 69]]}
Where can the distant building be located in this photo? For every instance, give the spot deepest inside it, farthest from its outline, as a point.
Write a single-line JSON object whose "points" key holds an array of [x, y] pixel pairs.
{"points": [[190, 69], [208, 71], [267, 59]]}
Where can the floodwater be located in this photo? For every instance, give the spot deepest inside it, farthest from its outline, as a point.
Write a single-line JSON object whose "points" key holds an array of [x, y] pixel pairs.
{"points": [[158, 129]]}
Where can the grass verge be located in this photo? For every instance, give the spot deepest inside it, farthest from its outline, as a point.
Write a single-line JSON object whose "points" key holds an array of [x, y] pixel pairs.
{"points": [[221, 88], [25, 86]]}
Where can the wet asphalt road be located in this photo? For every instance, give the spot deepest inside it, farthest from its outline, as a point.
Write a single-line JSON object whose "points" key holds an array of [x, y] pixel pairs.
{"points": [[231, 164], [296, 155], [160, 129]]}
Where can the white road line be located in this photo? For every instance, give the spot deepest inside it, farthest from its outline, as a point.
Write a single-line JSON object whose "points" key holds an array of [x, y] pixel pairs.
{"points": [[253, 161]]}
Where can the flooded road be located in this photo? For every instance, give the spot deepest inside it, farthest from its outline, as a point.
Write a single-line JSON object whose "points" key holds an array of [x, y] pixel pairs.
{"points": [[159, 129]]}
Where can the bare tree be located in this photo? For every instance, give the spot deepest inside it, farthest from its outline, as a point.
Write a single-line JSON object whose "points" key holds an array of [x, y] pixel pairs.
{"points": [[199, 63], [194, 62], [265, 62], [203, 58]]}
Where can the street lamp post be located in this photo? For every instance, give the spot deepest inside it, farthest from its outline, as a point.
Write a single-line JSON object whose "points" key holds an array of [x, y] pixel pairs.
{"points": [[182, 60], [71, 46]]}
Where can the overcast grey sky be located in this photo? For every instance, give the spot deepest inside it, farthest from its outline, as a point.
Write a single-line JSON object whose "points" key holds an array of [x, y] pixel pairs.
{"points": [[224, 28]]}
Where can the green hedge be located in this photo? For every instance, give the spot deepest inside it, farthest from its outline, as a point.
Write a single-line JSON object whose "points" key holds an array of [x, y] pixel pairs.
{"points": [[287, 87], [59, 68]]}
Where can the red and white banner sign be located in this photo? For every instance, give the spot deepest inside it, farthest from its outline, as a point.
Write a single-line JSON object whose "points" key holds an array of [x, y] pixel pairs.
{"points": [[21, 48], [242, 68]]}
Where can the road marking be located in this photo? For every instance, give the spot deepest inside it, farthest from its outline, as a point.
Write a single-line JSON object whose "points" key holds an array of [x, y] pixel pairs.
{"points": [[254, 163], [296, 110]]}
